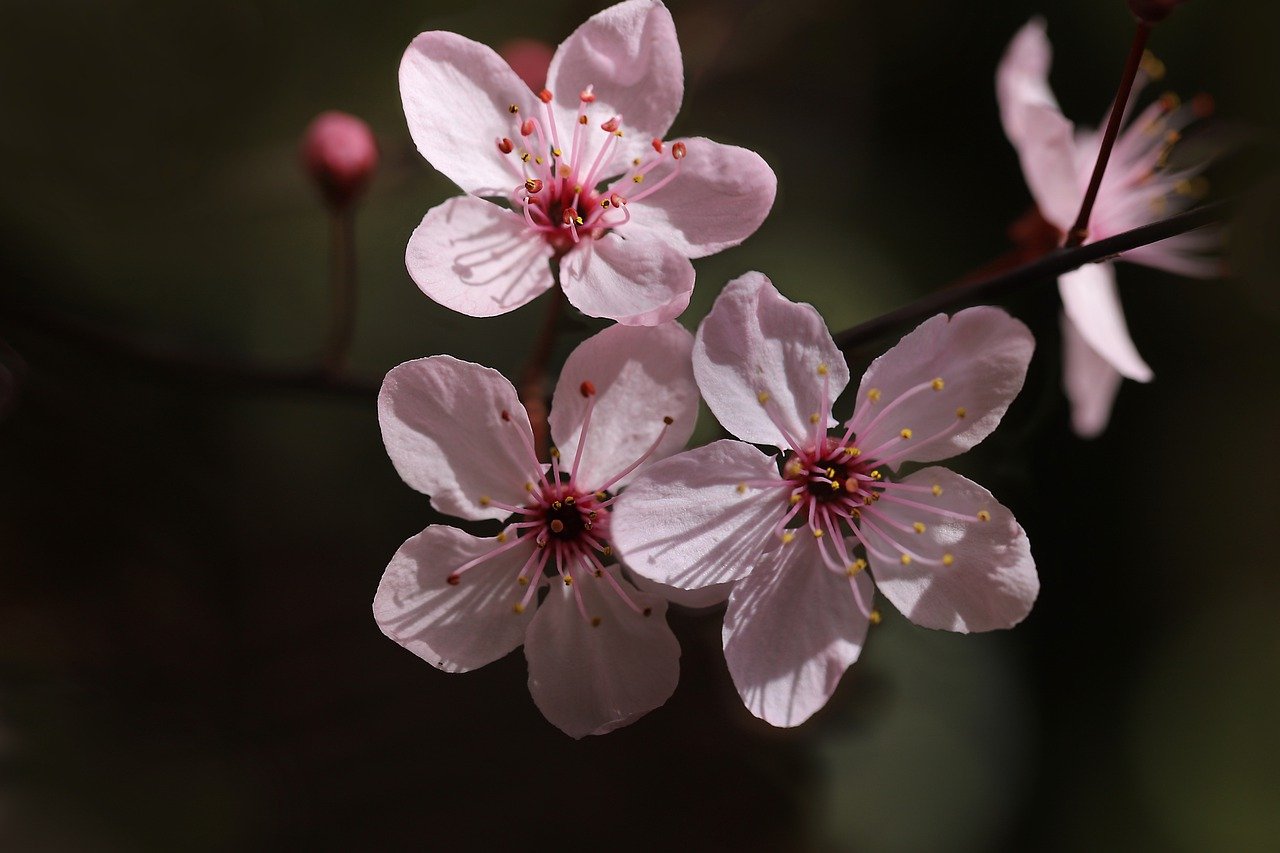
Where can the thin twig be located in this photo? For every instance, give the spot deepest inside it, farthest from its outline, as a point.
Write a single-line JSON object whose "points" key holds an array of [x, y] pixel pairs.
{"points": [[342, 275], [532, 386]]}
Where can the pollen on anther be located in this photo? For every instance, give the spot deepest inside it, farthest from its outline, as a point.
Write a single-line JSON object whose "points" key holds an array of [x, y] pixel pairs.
{"points": [[568, 580], [513, 109], [905, 559], [763, 397], [501, 537], [583, 119], [818, 533], [795, 499], [947, 559], [906, 433], [600, 496], [788, 538], [822, 369], [484, 500], [533, 186], [742, 488], [814, 418], [876, 475], [937, 490], [638, 179], [555, 452], [875, 617], [938, 384], [517, 608], [983, 515], [918, 527], [595, 621], [961, 412], [528, 487], [522, 580], [852, 451], [856, 566], [607, 551], [874, 395]]}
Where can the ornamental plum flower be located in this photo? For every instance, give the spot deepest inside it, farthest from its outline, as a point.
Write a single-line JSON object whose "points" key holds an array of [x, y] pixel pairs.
{"points": [[579, 174], [600, 652], [803, 531], [1138, 188]]}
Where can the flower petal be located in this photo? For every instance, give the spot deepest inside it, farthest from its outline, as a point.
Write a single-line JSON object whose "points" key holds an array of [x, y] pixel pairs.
{"points": [[442, 422], [991, 582], [1092, 303], [630, 55], [980, 354], [792, 628], [685, 523], [719, 199], [1090, 381], [637, 280], [757, 342], [478, 258], [456, 95], [590, 678], [459, 627], [639, 375], [1022, 78]]}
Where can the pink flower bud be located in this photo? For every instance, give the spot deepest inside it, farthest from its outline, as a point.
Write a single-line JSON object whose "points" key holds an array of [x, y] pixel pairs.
{"points": [[529, 58], [1153, 11], [341, 154]]}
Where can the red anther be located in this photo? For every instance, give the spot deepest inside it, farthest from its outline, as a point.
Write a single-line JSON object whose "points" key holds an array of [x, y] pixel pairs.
{"points": [[506, 416], [453, 580], [582, 119], [570, 215], [545, 96], [587, 388], [533, 186], [679, 150], [668, 420], [506, 146], [657, 144], [1202, 105], [616, 200], [610, 126], [587, 96], [1169, 102], [1153, 11], [526, 127]]}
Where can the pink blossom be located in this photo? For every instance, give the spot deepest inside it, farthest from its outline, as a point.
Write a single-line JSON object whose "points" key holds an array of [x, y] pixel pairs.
{"points": [[600, 652], [798, 531], [1138, 188], [340, 153], [581, 173]]}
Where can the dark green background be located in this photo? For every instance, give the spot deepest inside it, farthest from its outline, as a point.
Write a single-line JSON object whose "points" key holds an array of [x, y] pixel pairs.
{"points": [[187, 655]]}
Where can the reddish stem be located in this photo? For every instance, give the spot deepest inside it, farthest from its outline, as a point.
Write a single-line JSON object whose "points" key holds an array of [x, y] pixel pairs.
{"points": [[532, 386], [342, 274]]}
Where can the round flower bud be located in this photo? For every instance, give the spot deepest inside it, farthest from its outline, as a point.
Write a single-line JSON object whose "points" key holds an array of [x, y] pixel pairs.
{"points": [[341, 154], [1153, 11]]}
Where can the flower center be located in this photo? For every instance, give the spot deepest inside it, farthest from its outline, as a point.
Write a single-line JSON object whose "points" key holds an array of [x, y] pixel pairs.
{"points": [[562, 186]]}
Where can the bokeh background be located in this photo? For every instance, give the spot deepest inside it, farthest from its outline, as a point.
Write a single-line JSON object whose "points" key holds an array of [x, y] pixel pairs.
{"points": [[187, 655]]}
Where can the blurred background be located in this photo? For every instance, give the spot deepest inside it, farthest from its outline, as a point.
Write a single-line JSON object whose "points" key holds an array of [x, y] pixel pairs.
{"points": [[187, 653]]}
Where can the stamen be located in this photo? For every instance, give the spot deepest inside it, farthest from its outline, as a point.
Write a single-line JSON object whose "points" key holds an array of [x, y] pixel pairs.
{"points": [[588, 390], [456, 575], [666, 425]]}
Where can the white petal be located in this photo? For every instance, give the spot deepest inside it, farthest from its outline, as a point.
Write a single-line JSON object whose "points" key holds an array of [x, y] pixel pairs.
{"points": [[980, 354], [1090, 381], [628, 276], [456, 96], [589, 679], [453, 627], [684, 522], [477, 258], [640, 375], [792, 628], [1092, 303], [1022, 78], [991, 582], [443, 427], [757, 342]]}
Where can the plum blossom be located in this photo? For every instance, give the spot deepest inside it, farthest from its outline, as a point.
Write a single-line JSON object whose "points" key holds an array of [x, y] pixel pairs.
{"points": [[599, 650], [802, 532], [1138, 188], [578, 174]]}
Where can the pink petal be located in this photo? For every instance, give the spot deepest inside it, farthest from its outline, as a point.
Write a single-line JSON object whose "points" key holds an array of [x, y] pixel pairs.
{"points": [[1092, 303], [757, 342], [633, 279], [685, 523], [591, 679], [630, 55], [460, 627], [1090, 381], [478, 258], [1048, 157], [991, 582], [442, 424], [456, 96], [639, 376], [980, 354], [792, 628], [719, 199], [1022, 78]]}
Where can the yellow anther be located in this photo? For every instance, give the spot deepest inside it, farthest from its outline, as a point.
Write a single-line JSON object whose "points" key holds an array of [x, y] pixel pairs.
{"points": [[638, 179], [905, 559], [835, 485], [906, 433], [528, 487], [524, 156], [556, 152], [557, 505], [876, 617], [501, 537], [763, 397], [601, 495], [937, 490], [822, 370], [856, 566], [983, 515], [484, 500], [538, 160], [962, 412], [607, 550], [595, 621], [513, 109], [852, 451], [831, 472], [792, 468], [947, 559], [555, 453], [855, 514], [570, 500], [814, 418], [788, 538], [874, 395], [817, 534], [618, 133], [1151, 66], [577, 189], [795, 499], [636, 162], [568, 580], [522, 580], [918, 527], [876, 475], [938, 384], [517, 608], [742, 488]]}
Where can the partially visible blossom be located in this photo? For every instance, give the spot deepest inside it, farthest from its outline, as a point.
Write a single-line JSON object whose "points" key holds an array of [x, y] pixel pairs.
{"points": [[580, 173], [599, 650], [803, 531], [1139, 187], [340, 153]]}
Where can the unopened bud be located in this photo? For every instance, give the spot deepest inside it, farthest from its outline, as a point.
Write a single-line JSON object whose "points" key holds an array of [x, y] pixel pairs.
{"points": [[1153, 11], [341, 155]]}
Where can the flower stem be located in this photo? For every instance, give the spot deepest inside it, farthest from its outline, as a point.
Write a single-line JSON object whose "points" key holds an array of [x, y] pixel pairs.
{"points": [[532, 386], [1080, 230], [342, 275]]}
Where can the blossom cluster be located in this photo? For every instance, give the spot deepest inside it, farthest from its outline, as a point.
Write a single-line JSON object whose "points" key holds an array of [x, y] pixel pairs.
{"points": [[803, 518]]}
